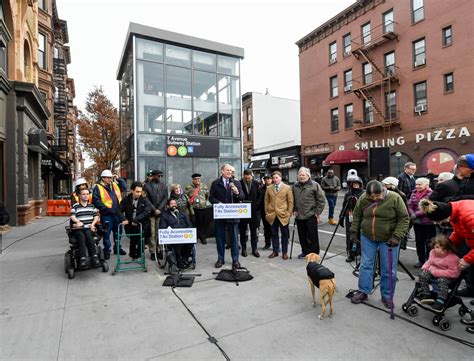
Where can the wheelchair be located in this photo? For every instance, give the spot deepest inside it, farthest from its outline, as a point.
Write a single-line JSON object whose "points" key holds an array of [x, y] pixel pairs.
{"points": [[72, 256], [166, 258]]}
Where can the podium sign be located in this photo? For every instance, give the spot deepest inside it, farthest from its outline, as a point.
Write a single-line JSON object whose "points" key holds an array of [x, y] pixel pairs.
{"points": [[232, 210], [177, 235]]}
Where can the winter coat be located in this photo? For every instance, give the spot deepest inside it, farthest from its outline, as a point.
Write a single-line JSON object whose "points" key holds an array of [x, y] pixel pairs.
{"points": [[308, 199], [168, 219], [406, 184], [254, 196], [381, 220], [466, 189], [350, 198], [198, 197], [183, 203], [444, 190], [97, 201], [446, 266], [219, 194], [317, 272], [144, 211], [331, 185], [279, 204], [157, 194], [462, 220], [417, 216]]}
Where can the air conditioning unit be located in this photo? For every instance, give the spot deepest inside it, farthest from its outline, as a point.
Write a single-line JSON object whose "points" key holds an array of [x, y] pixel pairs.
{"points": [[348, 88], [420, 62], [421, 108], [332, 61]]}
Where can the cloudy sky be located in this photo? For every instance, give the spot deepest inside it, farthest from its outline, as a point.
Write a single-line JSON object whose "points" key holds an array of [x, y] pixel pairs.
{"points": [[266, 29]]}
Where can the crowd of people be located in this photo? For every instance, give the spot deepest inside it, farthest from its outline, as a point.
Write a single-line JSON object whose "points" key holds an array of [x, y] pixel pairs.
{"points": [[377, 220]]}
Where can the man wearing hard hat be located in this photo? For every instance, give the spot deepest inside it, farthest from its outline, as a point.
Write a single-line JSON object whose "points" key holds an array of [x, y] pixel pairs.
{"points": [[81, 184], [106, 197]]}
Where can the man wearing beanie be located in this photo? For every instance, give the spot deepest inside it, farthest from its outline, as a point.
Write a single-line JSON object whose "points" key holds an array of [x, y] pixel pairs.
{"points": [[465, 167]]}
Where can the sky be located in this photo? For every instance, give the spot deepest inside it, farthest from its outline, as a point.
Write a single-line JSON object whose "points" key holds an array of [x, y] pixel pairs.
{"points": [[266, 29]]}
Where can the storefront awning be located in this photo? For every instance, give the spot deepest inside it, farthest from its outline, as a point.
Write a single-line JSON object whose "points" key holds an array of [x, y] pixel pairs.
{"points": [[346, 156], [258, 164]]}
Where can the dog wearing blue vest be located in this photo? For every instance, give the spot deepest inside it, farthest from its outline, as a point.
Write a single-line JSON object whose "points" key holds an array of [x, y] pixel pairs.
{"points": [[322, 278]]}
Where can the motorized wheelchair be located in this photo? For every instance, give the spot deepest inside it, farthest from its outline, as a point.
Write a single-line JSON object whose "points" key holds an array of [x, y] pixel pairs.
{"points": [[72, 256]]}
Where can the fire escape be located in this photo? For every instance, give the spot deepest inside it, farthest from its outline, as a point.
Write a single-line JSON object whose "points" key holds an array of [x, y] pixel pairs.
{"points": [[376, 86]]}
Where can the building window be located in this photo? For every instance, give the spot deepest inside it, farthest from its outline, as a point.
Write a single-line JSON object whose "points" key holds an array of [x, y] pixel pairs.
{"points": [[447, 35], [3, 59], [249, 114], [448, 82], [389, 60], [333, 87], [42, 4], [42, 51], [332, 53], [420, 90], [334, 120], [347, 42], [366, 33], [368, 113], [391, 105], [348, 80], [348, 115], [419, 53], [367, 72], [418, 10], [249, 134], [387, 21]]}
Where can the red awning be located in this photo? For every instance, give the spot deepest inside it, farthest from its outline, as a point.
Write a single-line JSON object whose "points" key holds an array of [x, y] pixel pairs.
{"points": [[346, 156]]}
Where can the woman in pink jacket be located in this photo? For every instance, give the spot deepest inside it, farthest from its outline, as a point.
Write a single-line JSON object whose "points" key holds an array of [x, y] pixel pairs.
{"points": [[442, 267]]}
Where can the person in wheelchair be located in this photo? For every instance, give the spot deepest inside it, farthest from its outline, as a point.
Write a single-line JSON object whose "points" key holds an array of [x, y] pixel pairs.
{"points": [[173, 218], [137, 209], [84, 217]]}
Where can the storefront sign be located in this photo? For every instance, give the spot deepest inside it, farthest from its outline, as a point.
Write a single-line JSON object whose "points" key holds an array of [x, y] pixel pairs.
{"points": [[232, 210], [177, 235], [317, 149], [184, 146], [260, 157], [433, 136]]}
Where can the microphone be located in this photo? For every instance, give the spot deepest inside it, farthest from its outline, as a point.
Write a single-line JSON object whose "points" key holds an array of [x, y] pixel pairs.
{"points": [[176, 211]]}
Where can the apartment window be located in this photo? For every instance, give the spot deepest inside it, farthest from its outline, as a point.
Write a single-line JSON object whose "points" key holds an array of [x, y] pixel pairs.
{"points": [[348, 115], [42, 4], [3, 59], [367, 72], [42, 51], [249, 134], [387, 21], [447, 35], [249, 114], [368, 113], [332, 52], [348, 80], [334, 120], [419, 53], [333, 87], [389, 61], [366, 33], [418, 10], [347, 42], [420, 90], [448, 82], [391, 105]]}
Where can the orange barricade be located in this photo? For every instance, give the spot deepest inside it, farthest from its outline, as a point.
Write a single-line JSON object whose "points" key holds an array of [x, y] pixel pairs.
{"points": [[58, 207]]}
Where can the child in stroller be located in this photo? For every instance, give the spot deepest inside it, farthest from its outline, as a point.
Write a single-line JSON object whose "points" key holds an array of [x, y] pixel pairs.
{"points": [[443, 272]]}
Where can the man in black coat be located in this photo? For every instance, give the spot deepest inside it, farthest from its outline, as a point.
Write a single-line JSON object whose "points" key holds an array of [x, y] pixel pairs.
{"points": [[465, 169], [226, 190], [252, 194], [157, 194], [445, 188], [173, 218], [406, 180], [267, 227], [137, 210]]}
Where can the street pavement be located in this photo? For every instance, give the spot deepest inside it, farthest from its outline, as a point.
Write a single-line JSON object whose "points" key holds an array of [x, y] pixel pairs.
{"points": [[131, 316]]}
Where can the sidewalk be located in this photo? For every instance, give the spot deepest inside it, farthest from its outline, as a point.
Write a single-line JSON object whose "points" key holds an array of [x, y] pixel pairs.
{"points": [[130, 316]]}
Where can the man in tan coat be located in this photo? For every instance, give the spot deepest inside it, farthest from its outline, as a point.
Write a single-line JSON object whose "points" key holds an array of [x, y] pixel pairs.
{"points": [[278, 208]]}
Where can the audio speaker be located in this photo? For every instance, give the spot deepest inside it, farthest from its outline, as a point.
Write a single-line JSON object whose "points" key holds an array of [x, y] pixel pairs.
{"points": [[379, 162]]}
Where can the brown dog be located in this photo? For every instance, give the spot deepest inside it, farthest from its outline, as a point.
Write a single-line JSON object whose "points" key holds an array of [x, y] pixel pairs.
{"points": [[327, 287]]}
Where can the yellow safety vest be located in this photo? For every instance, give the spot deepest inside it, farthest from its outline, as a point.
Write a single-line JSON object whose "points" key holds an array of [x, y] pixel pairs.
{"points": [[104, 195]]}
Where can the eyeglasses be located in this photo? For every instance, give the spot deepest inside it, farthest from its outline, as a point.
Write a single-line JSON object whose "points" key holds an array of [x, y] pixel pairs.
{"points": [[412, 169]]}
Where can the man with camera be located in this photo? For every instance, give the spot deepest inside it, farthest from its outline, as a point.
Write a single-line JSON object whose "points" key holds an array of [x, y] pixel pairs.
{"points": [[226, 190], [157, 194], [331, 185]]}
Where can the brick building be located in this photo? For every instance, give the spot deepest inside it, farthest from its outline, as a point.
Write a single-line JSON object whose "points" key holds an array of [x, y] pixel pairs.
{"points": [[392, 74]]}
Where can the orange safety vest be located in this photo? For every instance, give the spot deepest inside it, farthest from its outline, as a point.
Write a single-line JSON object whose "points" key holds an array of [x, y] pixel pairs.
{"points": [[76, 197], [104, 195]]}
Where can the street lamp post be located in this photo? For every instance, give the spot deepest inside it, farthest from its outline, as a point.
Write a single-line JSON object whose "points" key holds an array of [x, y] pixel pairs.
{"points": [[398, 155]]}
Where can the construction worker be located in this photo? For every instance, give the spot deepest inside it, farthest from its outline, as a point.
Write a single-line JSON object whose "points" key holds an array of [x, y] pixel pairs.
{"points": [[81, 184]]}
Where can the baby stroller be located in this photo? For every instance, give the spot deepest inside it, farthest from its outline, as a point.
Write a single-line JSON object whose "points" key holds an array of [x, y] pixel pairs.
{"points": [[72, 256], [412, 304]]}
